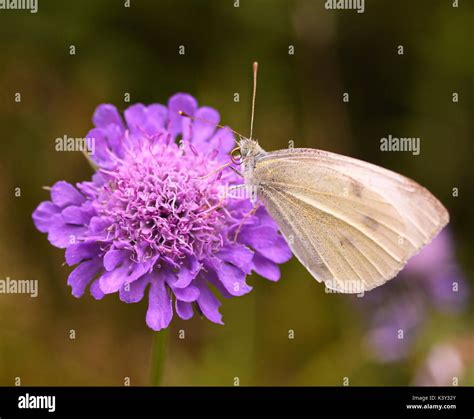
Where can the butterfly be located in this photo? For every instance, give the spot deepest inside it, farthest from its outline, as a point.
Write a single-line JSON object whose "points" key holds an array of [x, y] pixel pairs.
{"points": [[353, 225]]}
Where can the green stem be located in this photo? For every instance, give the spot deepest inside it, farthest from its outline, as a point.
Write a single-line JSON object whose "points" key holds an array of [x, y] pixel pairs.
{"points": [[158, 356]]}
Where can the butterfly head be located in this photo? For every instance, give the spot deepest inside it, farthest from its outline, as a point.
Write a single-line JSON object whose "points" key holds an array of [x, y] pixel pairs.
{"points": [[249, 150], [250, 153]]}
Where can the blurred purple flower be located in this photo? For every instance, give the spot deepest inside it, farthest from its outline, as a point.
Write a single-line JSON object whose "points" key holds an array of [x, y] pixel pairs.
{"points": [[148, 218], [444, 366], [396, 312]]}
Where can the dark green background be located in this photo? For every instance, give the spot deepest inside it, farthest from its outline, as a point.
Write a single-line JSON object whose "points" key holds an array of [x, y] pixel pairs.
{"points": [[135, 50]]}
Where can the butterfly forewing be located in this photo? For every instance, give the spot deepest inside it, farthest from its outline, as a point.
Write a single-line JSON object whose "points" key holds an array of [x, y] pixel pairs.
{"points": [[423, 214], [352, 224]]}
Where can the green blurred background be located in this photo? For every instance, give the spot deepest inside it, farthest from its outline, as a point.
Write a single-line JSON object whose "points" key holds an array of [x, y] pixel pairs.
{"points": [[134, 50]]}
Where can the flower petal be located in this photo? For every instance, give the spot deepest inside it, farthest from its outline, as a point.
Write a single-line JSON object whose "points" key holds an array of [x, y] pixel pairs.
{"points": [[209, 304], [150, 120], [90, 189], [78, 252], [103, 154], [64, 194], [223, 140], [112, 281], [188, 294], [99, 224], [264, 218], [266, 241], [157, 115], [204, 127], [134, 292], [116, 139], [63, 235], [266, 268], [180, 102], [239, 255], [43, 214], [95, 290], [98, 228], [187, 129], [106, 115], [184, 310], [160, 309], [187, 273], [135, 116], [77, 215], [231, 277], [212, 278], [115, 257], [82, 275]]}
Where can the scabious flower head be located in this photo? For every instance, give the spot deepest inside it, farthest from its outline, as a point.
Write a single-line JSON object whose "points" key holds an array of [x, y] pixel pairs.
{"points": [[153, 218]]}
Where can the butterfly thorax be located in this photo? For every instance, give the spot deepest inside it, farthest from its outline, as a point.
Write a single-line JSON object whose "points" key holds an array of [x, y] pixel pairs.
{"points": [[250, 153]]}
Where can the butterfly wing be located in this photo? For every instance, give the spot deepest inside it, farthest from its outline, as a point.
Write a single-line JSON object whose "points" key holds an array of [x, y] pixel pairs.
{"points": [[352, 224]]}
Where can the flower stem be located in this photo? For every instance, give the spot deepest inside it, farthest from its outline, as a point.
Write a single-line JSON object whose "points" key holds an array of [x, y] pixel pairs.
{"points": [[158, 356]]}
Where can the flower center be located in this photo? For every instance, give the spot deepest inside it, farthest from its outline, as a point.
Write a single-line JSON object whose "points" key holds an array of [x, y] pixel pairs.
{"points": [[162, 208]]}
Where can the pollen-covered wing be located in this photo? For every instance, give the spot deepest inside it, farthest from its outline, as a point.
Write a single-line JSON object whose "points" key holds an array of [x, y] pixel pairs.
{"points": [[352, 224]]}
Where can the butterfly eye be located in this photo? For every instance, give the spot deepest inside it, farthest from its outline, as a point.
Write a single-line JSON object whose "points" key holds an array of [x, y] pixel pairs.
{"points": [[236, 156]]}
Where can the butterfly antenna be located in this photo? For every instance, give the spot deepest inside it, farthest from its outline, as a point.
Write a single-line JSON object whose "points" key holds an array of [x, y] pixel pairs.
{"points": [[194, 118], [255, 68], [233, 159]]}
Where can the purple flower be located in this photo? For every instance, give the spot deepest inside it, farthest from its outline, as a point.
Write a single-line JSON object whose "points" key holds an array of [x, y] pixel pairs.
{"points": [[444, 366], [152, 217], [396, 311]]}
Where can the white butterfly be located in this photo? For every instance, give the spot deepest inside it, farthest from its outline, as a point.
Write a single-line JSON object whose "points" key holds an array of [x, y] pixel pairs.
{"points": [[352, 224]]}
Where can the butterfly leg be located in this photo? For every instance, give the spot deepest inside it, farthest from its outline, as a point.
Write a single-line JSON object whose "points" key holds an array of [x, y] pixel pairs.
{"points": [[251, 212], [216, 170], [229, 191], [228, 164], [236, 171], [228, 194]]}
